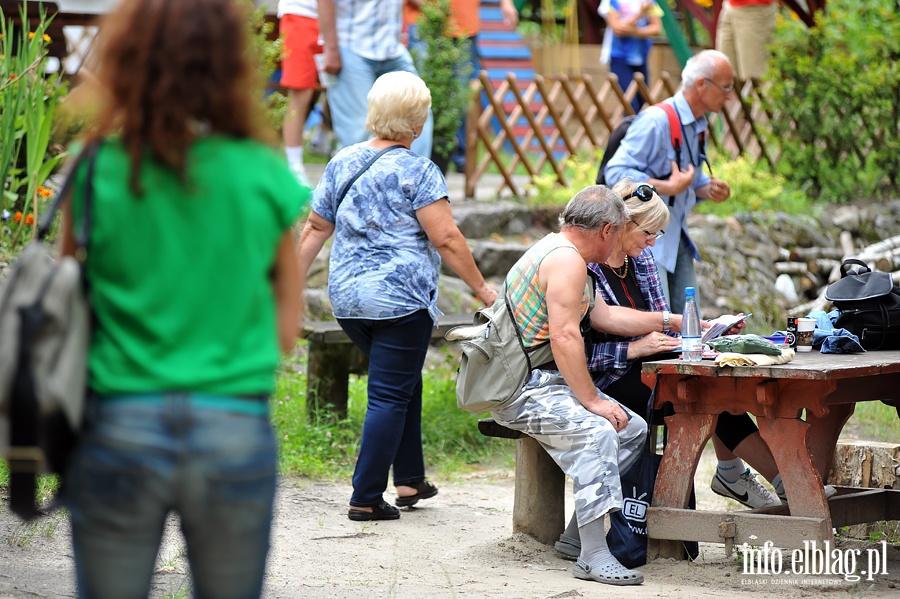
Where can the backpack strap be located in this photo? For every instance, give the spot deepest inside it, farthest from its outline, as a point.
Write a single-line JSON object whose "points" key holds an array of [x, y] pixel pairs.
{"points": [[674, 129]]}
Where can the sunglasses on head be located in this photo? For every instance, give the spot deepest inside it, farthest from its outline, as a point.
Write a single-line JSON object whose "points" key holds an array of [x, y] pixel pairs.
{"points": [[643, 192]]}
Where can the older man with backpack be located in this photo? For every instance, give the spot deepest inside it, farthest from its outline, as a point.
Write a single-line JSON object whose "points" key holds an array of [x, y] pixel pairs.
{"points": [[652, 151]]}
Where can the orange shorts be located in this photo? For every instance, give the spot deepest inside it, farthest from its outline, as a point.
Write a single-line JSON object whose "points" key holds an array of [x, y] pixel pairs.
{"points": [[300, 39]]}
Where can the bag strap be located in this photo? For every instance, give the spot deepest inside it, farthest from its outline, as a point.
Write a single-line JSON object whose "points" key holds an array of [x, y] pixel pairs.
{"points": [[854, 262], [364, 168], [89, 153]]}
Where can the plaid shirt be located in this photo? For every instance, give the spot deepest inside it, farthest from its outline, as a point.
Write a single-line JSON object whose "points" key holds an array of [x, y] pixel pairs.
{"points": [[370, 28], [608, 360]]}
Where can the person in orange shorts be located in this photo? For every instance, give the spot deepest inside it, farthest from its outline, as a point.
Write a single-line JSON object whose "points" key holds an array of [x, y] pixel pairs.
{"points": [[299, 29]]}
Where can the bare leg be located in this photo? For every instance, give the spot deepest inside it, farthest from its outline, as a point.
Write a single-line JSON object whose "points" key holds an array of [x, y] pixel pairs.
{"points": [[292, 130], [295, 116]]}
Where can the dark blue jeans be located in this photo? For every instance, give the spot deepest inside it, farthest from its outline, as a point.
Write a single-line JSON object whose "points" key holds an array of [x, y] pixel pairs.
{"points": [[625, 72], [392, 431]]}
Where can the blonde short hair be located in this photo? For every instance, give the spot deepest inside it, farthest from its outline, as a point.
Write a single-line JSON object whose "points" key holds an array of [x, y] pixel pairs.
{"points": [[398, 104], [652, 216]]}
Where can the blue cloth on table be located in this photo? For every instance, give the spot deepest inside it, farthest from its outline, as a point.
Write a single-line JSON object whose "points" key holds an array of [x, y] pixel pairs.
{"points": [[832, 340]]}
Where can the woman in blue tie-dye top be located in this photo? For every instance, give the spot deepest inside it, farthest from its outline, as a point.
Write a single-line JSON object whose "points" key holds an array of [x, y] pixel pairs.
{"points": [[392, 226]]}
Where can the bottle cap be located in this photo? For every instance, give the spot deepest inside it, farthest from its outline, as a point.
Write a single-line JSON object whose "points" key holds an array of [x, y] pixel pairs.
{"points": [[688, 291]]}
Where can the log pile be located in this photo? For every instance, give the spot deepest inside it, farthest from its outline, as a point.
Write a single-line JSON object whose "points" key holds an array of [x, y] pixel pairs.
{"points": [[813, 269]]}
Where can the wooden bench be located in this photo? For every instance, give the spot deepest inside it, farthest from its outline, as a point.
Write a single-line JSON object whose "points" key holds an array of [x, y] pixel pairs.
{"points": [[333, 357]]}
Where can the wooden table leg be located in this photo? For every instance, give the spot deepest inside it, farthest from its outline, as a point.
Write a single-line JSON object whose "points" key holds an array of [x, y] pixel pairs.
{"points": [[688, 434], [787, 439], [824, 432]]}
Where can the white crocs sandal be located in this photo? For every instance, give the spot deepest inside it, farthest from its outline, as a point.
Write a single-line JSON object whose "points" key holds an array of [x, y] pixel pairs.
{"points": [[609, 573]]}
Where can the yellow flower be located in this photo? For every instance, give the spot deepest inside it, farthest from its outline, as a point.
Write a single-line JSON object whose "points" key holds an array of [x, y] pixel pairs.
{"points": [[31, 35], [47, 38]]}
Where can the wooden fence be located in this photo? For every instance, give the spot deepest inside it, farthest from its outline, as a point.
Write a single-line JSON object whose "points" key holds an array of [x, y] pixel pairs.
{"points": [[532, 130]]}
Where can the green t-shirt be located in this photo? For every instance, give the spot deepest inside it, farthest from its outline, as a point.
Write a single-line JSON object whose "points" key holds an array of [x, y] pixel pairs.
{"points": [[180, 277]]}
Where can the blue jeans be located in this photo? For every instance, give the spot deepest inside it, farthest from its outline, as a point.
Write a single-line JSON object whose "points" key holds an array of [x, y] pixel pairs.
{"points": [[392, 430], [142, 457], [673, 283], [347, 98], [625, 72]]}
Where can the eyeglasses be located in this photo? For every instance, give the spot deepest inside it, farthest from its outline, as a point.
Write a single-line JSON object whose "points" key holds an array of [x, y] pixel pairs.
{"points": [[650, 236], [724, 89], [643, 192]]}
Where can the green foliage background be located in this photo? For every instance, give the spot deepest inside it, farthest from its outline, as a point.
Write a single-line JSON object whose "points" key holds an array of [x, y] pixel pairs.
{"points": [[834, 91]]}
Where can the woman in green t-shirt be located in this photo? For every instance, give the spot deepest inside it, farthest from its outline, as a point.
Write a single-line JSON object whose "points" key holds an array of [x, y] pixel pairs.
{"points": [[195, 291]]}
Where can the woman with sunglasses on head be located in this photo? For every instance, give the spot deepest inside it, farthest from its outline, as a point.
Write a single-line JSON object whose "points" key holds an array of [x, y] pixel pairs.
{"points": [[629, 278]]}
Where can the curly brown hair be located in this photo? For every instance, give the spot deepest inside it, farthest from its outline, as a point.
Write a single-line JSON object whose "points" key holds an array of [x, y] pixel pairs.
{"points": [[173, 70]]}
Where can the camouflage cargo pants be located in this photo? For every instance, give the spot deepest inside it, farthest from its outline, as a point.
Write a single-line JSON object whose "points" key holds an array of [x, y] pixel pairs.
{"points": [[585, 445]]}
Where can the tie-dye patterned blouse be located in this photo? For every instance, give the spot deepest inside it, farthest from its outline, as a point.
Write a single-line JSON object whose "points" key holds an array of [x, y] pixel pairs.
{"points": [[382, 264]]}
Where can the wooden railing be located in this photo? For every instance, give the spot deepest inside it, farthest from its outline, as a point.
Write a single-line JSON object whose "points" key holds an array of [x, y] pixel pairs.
{"points": [[532, 131]]}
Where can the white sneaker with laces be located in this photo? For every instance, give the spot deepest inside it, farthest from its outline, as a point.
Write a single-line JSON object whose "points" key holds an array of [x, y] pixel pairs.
{"points": [[829, 493], [745, 490]]}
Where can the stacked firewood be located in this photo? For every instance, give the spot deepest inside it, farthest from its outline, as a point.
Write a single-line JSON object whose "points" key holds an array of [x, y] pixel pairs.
{"points": [[813, 269]]}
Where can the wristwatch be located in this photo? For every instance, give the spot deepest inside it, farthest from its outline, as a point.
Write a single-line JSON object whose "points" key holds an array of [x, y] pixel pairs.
{"points": [[665, 321]]}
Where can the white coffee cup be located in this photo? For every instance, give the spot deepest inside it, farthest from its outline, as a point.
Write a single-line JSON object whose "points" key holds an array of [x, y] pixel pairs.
{"points": [[805, 328]]}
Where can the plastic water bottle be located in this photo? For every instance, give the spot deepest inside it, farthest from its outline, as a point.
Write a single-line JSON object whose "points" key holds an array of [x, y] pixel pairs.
{"points": [[692, 350]]}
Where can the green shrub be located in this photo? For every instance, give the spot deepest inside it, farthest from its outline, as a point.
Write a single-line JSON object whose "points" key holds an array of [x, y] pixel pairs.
{"points": [[579, 171], [445, 69], [834, 91], [754, 188]]}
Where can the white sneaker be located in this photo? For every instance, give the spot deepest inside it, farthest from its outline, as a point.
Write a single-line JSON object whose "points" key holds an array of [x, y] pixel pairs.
{"points": [[745, 490], [829, 493]]}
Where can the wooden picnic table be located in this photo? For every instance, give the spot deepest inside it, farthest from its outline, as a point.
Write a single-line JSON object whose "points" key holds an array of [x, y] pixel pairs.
{"points": [[801, 408]]}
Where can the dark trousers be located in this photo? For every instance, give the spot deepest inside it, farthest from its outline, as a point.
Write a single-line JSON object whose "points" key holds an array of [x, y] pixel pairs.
{"points": [[392, 430]]}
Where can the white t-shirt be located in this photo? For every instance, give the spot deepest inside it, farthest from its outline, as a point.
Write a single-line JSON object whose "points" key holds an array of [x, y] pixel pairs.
{"points": [[304, 8]]}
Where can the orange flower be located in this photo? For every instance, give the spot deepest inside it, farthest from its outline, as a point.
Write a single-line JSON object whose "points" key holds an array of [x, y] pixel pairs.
{"points": [[29, 220], [31, 35], [44, 192], [17, 217]]}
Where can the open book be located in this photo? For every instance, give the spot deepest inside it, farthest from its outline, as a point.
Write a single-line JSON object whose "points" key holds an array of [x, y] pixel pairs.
{"points": [[722, 324]]}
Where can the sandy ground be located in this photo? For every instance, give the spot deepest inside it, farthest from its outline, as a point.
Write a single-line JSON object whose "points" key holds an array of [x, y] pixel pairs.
{"points": [[458, 544]]}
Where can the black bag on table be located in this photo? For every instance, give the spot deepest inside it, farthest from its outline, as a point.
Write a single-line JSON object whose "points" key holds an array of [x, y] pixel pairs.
{"points": [[869, 303]]}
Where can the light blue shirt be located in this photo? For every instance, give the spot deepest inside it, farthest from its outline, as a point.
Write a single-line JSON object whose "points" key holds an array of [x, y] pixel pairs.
{"points": [[382, 264], [646, 152]]}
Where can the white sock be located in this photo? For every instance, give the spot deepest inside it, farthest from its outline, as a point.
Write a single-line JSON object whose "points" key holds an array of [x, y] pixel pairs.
{"points": [[778, 485], [295, 157], [731, 470]]}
